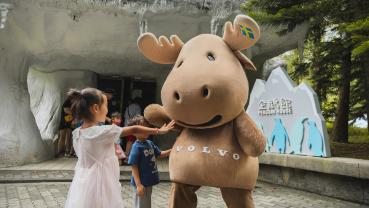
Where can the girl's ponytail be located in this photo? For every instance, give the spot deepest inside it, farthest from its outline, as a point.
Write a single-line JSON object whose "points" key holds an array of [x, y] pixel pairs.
{"points": [[74, 94], [82, 100], [79, 105]]}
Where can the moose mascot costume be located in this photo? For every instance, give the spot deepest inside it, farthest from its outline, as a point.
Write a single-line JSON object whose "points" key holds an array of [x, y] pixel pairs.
{"points": [[205, 93]]}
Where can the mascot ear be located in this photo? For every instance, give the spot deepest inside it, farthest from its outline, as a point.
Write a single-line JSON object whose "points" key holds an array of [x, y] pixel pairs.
{"points": [[245, 62], [244, 33], [160, 51]]}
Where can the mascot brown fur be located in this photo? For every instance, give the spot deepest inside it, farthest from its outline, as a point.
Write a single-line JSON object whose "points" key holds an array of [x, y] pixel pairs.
{"points": [[205, 93]]}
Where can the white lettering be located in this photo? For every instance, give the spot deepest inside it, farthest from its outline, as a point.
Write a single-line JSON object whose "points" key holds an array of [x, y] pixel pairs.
{"points": [[205, 149], [191, 148], [179, 148], [236, 156], [222, 152], [276, 106]]}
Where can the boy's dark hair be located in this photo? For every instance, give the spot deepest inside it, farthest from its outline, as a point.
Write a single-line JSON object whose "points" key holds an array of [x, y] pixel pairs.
{"points": [[138, 120], [82, 100], [116, 115]]}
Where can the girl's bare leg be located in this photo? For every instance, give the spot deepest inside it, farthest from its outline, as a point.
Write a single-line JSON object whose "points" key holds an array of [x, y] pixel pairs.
{"points": [[61, 142], [68, 141]]}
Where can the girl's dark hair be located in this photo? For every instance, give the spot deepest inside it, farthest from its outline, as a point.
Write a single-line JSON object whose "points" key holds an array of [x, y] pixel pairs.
{"points": [[138, 120], [82, 100]]}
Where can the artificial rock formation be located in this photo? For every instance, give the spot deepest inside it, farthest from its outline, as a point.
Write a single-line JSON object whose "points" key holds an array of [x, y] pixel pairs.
{"points": [[53, 41]]}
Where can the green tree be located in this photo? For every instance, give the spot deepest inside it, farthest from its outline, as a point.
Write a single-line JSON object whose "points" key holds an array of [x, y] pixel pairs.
{"points": [[359, 32], [338, 35]]}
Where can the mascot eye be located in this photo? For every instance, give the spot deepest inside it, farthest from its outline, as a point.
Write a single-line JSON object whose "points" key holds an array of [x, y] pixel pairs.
{"points": [[176, 96], [205, 92], [211, 57], [180, 64]]}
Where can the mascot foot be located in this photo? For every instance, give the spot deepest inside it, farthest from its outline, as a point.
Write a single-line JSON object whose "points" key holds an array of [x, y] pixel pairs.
{"points": [[183, 196], [237, 198]]}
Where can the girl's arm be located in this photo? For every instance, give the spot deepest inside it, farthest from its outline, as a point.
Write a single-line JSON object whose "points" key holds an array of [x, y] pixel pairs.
{"points": [[142, 131], [164, 153], [136, 177]]}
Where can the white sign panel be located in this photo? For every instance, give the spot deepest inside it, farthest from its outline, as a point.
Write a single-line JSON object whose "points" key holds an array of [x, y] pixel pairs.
{"points": [[289, 116]]}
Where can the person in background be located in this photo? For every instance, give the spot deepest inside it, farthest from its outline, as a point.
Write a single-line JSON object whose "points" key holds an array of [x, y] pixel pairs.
{"points": [[75, 124], [65, 130], [133, 109], [116, 119]]}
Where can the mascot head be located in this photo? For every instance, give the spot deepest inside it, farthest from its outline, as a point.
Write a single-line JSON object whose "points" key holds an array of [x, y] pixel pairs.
{"points": [[207, 86]]}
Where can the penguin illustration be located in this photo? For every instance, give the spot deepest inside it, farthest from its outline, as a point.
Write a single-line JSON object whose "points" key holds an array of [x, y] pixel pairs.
{"points": [[260, 126], [279, 135], [315, 139], [297, 137]]}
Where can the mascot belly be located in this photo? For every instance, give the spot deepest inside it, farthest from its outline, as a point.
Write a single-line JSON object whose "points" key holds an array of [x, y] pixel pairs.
{"points": [[215, 153]]}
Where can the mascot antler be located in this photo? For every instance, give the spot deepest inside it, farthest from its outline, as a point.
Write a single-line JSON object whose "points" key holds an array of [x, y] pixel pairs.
{"points": [[161, 51], [244, 33]]}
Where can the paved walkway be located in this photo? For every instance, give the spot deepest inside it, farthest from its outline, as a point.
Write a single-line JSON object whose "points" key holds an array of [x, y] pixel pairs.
{"points": [[40, 195], [46, 185]]}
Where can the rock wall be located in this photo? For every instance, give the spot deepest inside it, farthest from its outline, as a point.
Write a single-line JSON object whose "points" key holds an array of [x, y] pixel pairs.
{"points": [[43, 38], [47, 94], [19, 136]]}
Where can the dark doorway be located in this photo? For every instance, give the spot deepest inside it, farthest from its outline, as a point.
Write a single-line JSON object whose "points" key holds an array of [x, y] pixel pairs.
{"points": [[124, 89], [146, 90], [112, 85]]}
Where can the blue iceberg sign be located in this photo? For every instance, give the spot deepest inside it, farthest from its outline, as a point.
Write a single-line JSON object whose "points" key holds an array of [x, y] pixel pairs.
{"points": [[289, 116]]}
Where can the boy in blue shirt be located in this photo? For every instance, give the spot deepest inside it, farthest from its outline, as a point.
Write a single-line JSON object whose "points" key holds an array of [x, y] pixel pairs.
{"points": [[144, 170]]}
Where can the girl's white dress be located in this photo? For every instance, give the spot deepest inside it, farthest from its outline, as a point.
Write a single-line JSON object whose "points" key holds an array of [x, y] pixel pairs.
{"points": [[96, 179]]}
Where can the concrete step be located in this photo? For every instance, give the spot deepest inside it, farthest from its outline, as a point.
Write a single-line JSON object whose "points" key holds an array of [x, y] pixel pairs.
{"points": [[61, 170]]}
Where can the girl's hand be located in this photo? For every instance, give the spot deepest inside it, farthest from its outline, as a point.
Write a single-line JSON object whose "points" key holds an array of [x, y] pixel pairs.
{"points": [[166, 128], [140, 190]]}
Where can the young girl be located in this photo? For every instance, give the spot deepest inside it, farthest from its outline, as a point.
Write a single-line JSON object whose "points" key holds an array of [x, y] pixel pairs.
{"points": [[96, 179]]}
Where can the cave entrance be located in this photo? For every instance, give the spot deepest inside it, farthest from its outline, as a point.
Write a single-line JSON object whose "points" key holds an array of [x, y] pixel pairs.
{"points": [[124, 89]]}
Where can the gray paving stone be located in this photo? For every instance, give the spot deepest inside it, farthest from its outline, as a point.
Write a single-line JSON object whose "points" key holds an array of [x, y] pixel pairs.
{"points": [[266, 195]]}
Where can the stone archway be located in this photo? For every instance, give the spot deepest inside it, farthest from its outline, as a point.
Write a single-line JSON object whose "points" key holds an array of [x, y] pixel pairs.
{"points": [[100, 39]]}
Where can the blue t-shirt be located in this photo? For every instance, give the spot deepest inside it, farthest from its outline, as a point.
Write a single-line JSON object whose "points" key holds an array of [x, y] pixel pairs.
{"points": [[143, 154]]}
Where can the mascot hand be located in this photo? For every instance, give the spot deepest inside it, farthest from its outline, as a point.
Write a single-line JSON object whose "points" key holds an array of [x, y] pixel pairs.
{"points": [[156, 115]]}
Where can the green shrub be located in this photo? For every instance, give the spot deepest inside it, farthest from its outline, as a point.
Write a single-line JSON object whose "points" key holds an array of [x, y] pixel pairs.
{"points": [[356, 134]]}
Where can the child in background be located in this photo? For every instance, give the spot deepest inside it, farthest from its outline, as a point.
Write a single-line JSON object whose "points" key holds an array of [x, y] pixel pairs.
{"points": [[96, 179], [116, 119], [75, 124], [144, 170], [133, 109], [65, 130]]}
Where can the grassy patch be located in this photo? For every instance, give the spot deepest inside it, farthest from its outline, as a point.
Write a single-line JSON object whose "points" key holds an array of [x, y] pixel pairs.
{"points": [[358, 146], [362, 139], [356, 135]]}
